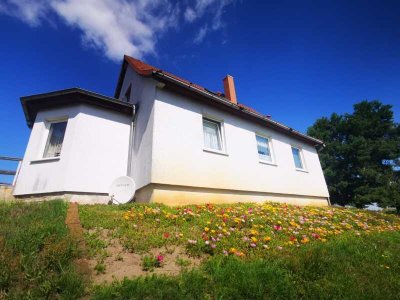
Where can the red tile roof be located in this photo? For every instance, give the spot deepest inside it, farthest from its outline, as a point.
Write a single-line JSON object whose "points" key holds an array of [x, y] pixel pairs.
{"points": [[147, 70], [140, 67], [144, 69]]}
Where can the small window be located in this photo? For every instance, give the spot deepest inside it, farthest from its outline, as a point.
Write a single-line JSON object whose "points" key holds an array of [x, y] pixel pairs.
{"points": [[127, 96], [212, 135], [55, 139], [263, 148], [298, 160]]}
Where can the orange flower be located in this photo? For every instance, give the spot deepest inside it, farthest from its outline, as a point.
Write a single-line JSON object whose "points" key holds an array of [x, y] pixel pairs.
{"points": [[267, 239]]}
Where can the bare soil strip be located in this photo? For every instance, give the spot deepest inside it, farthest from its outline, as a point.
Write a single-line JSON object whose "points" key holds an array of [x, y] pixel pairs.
{"points": [[74, 225], [120, 263]]}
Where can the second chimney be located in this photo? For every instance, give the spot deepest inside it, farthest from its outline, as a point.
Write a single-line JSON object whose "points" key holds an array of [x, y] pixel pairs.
{"points": [[229, 88]]}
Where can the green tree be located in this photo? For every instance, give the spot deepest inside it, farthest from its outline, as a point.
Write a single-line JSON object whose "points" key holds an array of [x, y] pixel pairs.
{"points": [[361, 154]]}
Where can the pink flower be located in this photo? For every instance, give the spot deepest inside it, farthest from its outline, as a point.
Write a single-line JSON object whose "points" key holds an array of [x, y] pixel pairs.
{"points": [[253, 245], [277, 227], [213, 246], [160, 258], [315, 235]]}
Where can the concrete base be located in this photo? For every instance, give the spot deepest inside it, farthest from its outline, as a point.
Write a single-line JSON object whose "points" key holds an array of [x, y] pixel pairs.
{"points": [[82, 198], [182, 195]]}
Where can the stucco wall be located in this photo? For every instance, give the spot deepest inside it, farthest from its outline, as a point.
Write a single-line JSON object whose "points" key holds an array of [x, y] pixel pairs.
{"points": [[142, 95], [94, 152], [179, 158]]}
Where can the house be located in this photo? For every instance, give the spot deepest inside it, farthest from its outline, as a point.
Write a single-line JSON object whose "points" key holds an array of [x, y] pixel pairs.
{"points": [[180, 142]]}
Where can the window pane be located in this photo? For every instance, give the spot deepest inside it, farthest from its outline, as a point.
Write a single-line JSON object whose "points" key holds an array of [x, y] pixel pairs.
{"points": [[297, 158], [55, 139], [264, 152], [127, 96], [212, 135]]}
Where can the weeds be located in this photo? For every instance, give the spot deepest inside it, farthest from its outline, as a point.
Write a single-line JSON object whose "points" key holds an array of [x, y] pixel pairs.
{"points": [[36, 252], [149, 263], [342, 268]]}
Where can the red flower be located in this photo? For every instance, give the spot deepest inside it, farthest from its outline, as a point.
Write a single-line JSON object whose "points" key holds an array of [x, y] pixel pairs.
{"points": [[160, 258], [166, 235]]}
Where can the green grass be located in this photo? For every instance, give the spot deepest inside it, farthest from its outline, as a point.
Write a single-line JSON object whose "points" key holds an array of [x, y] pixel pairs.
{"points": [[242, 229], [269, 251], [36, 252], [366, 267], [319, 253]]}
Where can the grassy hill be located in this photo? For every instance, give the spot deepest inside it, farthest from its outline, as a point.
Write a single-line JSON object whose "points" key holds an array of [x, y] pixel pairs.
{"points": [[241, 251]]}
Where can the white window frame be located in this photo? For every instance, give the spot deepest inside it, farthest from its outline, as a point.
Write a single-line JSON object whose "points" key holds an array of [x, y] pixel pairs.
{"points": [[48, 124], [271, 149], [221, 134], [303, 161]]}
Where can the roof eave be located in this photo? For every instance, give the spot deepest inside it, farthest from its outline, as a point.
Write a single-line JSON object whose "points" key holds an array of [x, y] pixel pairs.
{"points": [[165, 77], [31, 105]]}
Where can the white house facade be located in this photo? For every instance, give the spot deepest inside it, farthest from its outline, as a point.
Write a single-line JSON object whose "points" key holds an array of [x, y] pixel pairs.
{"points": [[181, 143]]}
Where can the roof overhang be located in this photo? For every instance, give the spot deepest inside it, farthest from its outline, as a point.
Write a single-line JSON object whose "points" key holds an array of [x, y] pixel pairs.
{"points": [[192, 90], [178, 86], [35, 103]]}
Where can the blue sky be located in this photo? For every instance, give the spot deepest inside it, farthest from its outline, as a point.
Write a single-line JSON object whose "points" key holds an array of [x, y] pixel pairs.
{"points": [[294, 60]]}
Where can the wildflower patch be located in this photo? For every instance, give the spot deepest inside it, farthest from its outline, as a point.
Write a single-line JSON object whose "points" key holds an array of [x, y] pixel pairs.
{"points": [[240, 230]]}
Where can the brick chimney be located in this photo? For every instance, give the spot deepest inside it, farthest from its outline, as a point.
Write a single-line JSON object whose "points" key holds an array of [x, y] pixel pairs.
{"points": [[229, 88]]}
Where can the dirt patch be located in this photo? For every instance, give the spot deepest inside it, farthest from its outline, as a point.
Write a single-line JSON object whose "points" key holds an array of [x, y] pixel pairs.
{"points": [[76, 231], [119, 263], [6, 193]]}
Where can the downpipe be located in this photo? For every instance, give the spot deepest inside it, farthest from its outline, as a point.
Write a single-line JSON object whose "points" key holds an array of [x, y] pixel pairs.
{"points": [[131, 137]]}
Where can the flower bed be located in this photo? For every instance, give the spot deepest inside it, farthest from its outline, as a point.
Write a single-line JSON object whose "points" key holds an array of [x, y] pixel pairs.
{"points": [[243, 230]]}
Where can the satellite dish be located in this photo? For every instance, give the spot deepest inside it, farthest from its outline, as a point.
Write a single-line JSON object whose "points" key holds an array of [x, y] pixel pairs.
{"points": [[122, 190]]}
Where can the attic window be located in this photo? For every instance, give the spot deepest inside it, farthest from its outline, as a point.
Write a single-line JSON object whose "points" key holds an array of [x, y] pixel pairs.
{"points": [[127, 96]]}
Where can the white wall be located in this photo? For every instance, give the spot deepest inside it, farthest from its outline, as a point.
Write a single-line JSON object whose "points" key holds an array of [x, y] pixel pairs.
{"points": [[167, 149], [179, 159], [94, 152], [142, 95]]}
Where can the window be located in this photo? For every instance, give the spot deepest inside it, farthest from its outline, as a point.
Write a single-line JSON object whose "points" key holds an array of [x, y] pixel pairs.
{"points": [[127, 96], [55, 139], [298, 160], [212, 135], [263, 148]]}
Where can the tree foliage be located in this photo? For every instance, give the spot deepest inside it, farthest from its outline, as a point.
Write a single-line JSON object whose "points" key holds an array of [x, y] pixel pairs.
{"points": [[361, 158]]}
